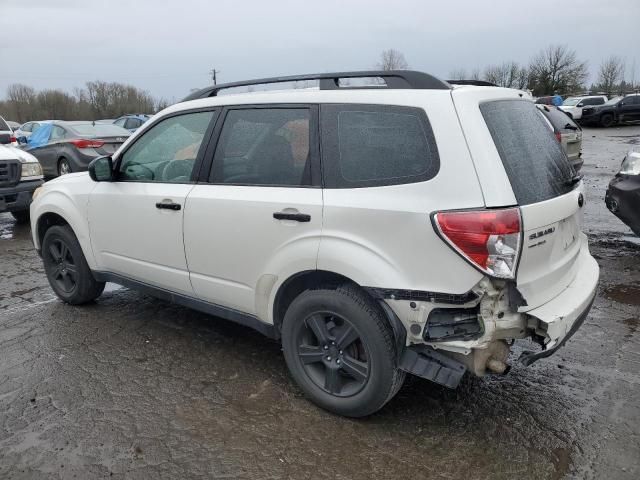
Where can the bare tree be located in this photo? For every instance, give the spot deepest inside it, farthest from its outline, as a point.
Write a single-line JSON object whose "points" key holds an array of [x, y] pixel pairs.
{"points": [[508, 74], [21, 101], [392, 60], [458, 74], [610, 74], [462, 74], [556, 68]]}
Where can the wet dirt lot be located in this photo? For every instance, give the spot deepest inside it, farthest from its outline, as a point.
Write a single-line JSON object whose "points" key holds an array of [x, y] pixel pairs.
{"points": [[132, 387]]}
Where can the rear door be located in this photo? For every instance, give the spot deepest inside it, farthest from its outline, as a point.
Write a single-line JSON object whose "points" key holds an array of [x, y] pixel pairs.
{"points": [[258, 217], [47, 154], [519, 162]]}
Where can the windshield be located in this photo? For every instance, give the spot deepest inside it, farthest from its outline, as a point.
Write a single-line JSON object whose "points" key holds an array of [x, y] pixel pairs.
{"points": [[99, 130], [613, 101], [571, 101]]}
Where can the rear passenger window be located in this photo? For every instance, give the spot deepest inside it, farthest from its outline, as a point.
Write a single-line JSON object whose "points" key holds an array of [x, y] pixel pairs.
{"points": [[264, 146], [376, 145]]}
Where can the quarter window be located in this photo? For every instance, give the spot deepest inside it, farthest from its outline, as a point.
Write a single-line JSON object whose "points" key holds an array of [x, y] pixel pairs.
{"points": [[264, 146], [167, 152], [57, 133], [376, 145]]}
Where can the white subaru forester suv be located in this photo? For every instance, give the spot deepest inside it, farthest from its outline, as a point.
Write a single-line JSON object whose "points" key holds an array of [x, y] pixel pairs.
{"points": [[404, 226]]}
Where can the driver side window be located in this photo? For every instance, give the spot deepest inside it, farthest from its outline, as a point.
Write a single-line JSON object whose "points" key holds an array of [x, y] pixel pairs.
{"points": [[166, 152]]}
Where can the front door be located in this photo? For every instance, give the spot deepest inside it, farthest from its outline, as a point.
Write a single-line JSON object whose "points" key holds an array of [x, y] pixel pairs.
{"points": [[258, 219], [135, 222]]}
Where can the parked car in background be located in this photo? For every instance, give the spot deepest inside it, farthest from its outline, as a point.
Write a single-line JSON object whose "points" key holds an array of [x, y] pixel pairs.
{"points": [[7, 137], [20, 175], [65, 147], [572, 106], [106, 120], [623, 195], [132, 121], [567, 132], [544, 100], [616, 110], [411, 227], [26, 129], [14, 125]]}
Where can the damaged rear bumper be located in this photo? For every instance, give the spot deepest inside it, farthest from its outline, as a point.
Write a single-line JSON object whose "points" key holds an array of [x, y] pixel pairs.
{"points": [[560, 318]]}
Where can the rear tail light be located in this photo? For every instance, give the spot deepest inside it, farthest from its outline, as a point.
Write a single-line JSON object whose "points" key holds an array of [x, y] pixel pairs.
{"points": [[489, 239], [559, 136], [12, 139], [85, 143]]}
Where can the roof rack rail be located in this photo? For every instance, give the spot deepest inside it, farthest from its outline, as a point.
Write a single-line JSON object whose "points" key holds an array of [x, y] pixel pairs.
{"points": [[477, 83], [395, 79]]}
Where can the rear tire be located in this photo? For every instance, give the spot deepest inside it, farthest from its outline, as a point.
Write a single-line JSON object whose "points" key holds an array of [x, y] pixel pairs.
{"points": [[606, 120], [340, 350], [67, 270], [21, 216], [64, 167]]}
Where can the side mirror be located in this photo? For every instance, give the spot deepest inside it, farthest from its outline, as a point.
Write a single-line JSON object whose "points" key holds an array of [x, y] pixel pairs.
{"points": [[580, 105], [101, 169], [22, 140], [621, 104]]}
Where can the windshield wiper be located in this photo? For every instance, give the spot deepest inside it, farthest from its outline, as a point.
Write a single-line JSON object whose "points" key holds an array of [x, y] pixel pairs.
{"points": [[573, 180]]}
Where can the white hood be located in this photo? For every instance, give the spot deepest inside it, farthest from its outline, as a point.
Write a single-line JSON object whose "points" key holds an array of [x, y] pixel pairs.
{"points": [[8, 152]]}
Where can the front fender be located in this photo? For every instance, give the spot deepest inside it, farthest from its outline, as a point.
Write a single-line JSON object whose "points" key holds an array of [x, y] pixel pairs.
{"points": [[72, 208]]}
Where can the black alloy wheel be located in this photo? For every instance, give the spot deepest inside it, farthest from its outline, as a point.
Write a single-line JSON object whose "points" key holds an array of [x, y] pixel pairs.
{"points": [[341, 350], [333, 354], [65, 271]]}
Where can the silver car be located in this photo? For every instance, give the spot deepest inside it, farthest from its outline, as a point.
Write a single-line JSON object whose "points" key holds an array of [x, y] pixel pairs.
{"points": [[568, 133]]}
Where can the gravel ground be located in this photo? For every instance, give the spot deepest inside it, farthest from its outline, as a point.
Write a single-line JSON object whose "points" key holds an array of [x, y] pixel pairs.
{"points": [[132, 387]]}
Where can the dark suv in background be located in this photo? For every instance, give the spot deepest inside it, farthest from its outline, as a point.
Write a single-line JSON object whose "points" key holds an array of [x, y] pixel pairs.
{"points": [[616, 110]]}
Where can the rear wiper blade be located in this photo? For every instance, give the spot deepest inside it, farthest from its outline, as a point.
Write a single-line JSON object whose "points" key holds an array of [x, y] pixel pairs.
{"points": [[573, 180], [568, 126]]}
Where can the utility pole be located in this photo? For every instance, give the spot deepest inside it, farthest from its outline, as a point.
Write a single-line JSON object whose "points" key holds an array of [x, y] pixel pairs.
{"points": [[213, 73]]}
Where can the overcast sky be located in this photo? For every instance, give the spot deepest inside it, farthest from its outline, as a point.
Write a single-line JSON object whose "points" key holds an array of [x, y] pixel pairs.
{"points": [[168, 47]]}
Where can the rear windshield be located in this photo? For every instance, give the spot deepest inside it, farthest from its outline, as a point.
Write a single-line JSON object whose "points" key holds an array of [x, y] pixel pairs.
{"points": [[3, 125], [99, 130], [537, 167], [560, 120]]}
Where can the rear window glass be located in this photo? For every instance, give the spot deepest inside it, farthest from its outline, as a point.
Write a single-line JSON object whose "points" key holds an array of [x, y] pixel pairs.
{"points": [[99, 129], [3, 125], [375, 145], [537, 167]]}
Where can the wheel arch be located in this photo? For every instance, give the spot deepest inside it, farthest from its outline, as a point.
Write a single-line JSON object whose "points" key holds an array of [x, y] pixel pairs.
{"points": [[313, 279], [57, 208]]}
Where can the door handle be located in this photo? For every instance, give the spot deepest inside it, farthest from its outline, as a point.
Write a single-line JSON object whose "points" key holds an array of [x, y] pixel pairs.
{"points": [[296, 217], [168, 205]]}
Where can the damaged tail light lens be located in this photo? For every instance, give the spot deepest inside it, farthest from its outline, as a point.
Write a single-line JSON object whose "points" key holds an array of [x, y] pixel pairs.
{"points": [[489, 239]]}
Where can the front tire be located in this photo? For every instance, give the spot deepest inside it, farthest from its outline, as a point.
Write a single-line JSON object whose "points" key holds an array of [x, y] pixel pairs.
{"points": [[21, 216], [67, 270], [606, 120], [340, 350]]}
